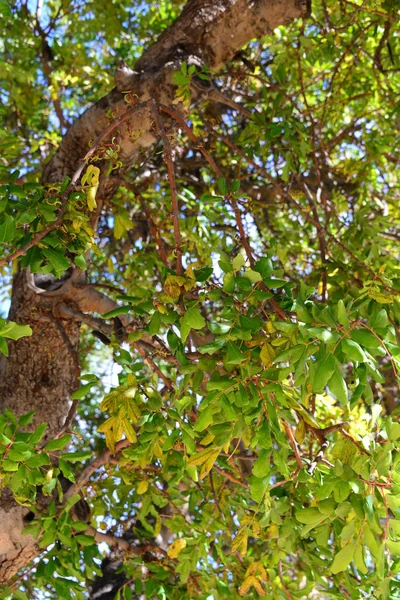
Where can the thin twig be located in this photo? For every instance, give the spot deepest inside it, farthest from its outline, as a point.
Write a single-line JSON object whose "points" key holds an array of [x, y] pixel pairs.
{"points": [[306, 215], [151, 362], [230, 477], [98, 462], [293, 444], [154, 231], [172, 183], [173, 113], [284, 588]]}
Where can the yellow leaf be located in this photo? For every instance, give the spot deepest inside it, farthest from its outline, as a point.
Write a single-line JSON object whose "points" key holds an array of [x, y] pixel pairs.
{"points": [[258, 587], [189, 269], [133, 411], [208, 465], [129, 431], [267, 354], [379, 297], [110, 441], [142, 487], [91, 198], [246, 585], [256, 529], [273, 531], [109, 402], [208, 439], [90, 184], [158, 453], [240, 541], [300, 432], [257, 568], [249, 582], [131, 380], [118, 429], [173, 285], [176, 548], [157, 526], [200, 457], [270, 328], [107, 425]]}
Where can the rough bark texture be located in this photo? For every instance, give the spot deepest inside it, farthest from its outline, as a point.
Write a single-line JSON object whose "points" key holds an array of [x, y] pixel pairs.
{"points": [[41, 371]]}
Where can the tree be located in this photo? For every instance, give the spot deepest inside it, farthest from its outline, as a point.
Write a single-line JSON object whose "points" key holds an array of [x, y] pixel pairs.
{"points": [[218, 231]]}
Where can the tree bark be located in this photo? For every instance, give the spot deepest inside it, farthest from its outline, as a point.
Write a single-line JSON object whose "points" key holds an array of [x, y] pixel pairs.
{"points": [[42, 371]]}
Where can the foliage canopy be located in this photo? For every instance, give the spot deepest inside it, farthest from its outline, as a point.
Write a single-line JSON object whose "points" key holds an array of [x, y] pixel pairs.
{"points": [[253, 254]]}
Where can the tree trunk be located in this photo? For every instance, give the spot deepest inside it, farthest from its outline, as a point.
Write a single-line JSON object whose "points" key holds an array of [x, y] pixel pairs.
{"points": [[42, 371]]}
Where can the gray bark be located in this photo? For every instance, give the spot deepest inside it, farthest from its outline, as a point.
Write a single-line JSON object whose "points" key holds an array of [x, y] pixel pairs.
{"points": [[41, 371]]}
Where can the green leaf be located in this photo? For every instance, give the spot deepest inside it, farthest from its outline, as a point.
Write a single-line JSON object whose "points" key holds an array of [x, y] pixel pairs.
{"points": [[238, 262], [18, 594], [192, 319], [9, 465], [26, 419], [366, 338], [274, 283], [258, 487], [222, 186], [212, 347], [261, 466], [229, 283], [252, 276], [343, 558], [353, 350], [359, 560], [77, 456], [83, 390], [80, 262], [323, 334], [66, 470], [128, 594], [71, 501], [203, 274], [14, 331], [59, 443], [264, 266], [57, 260], [204, 419], [323, 372], [337, 384], [38, 460], [7, 228], [342, 315], [380, 320], [120, 310], [303, 314], [122, 223], [234, 355], [310, 516], [37, 435], [85, 540], [394, 547], [3, 346]]}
